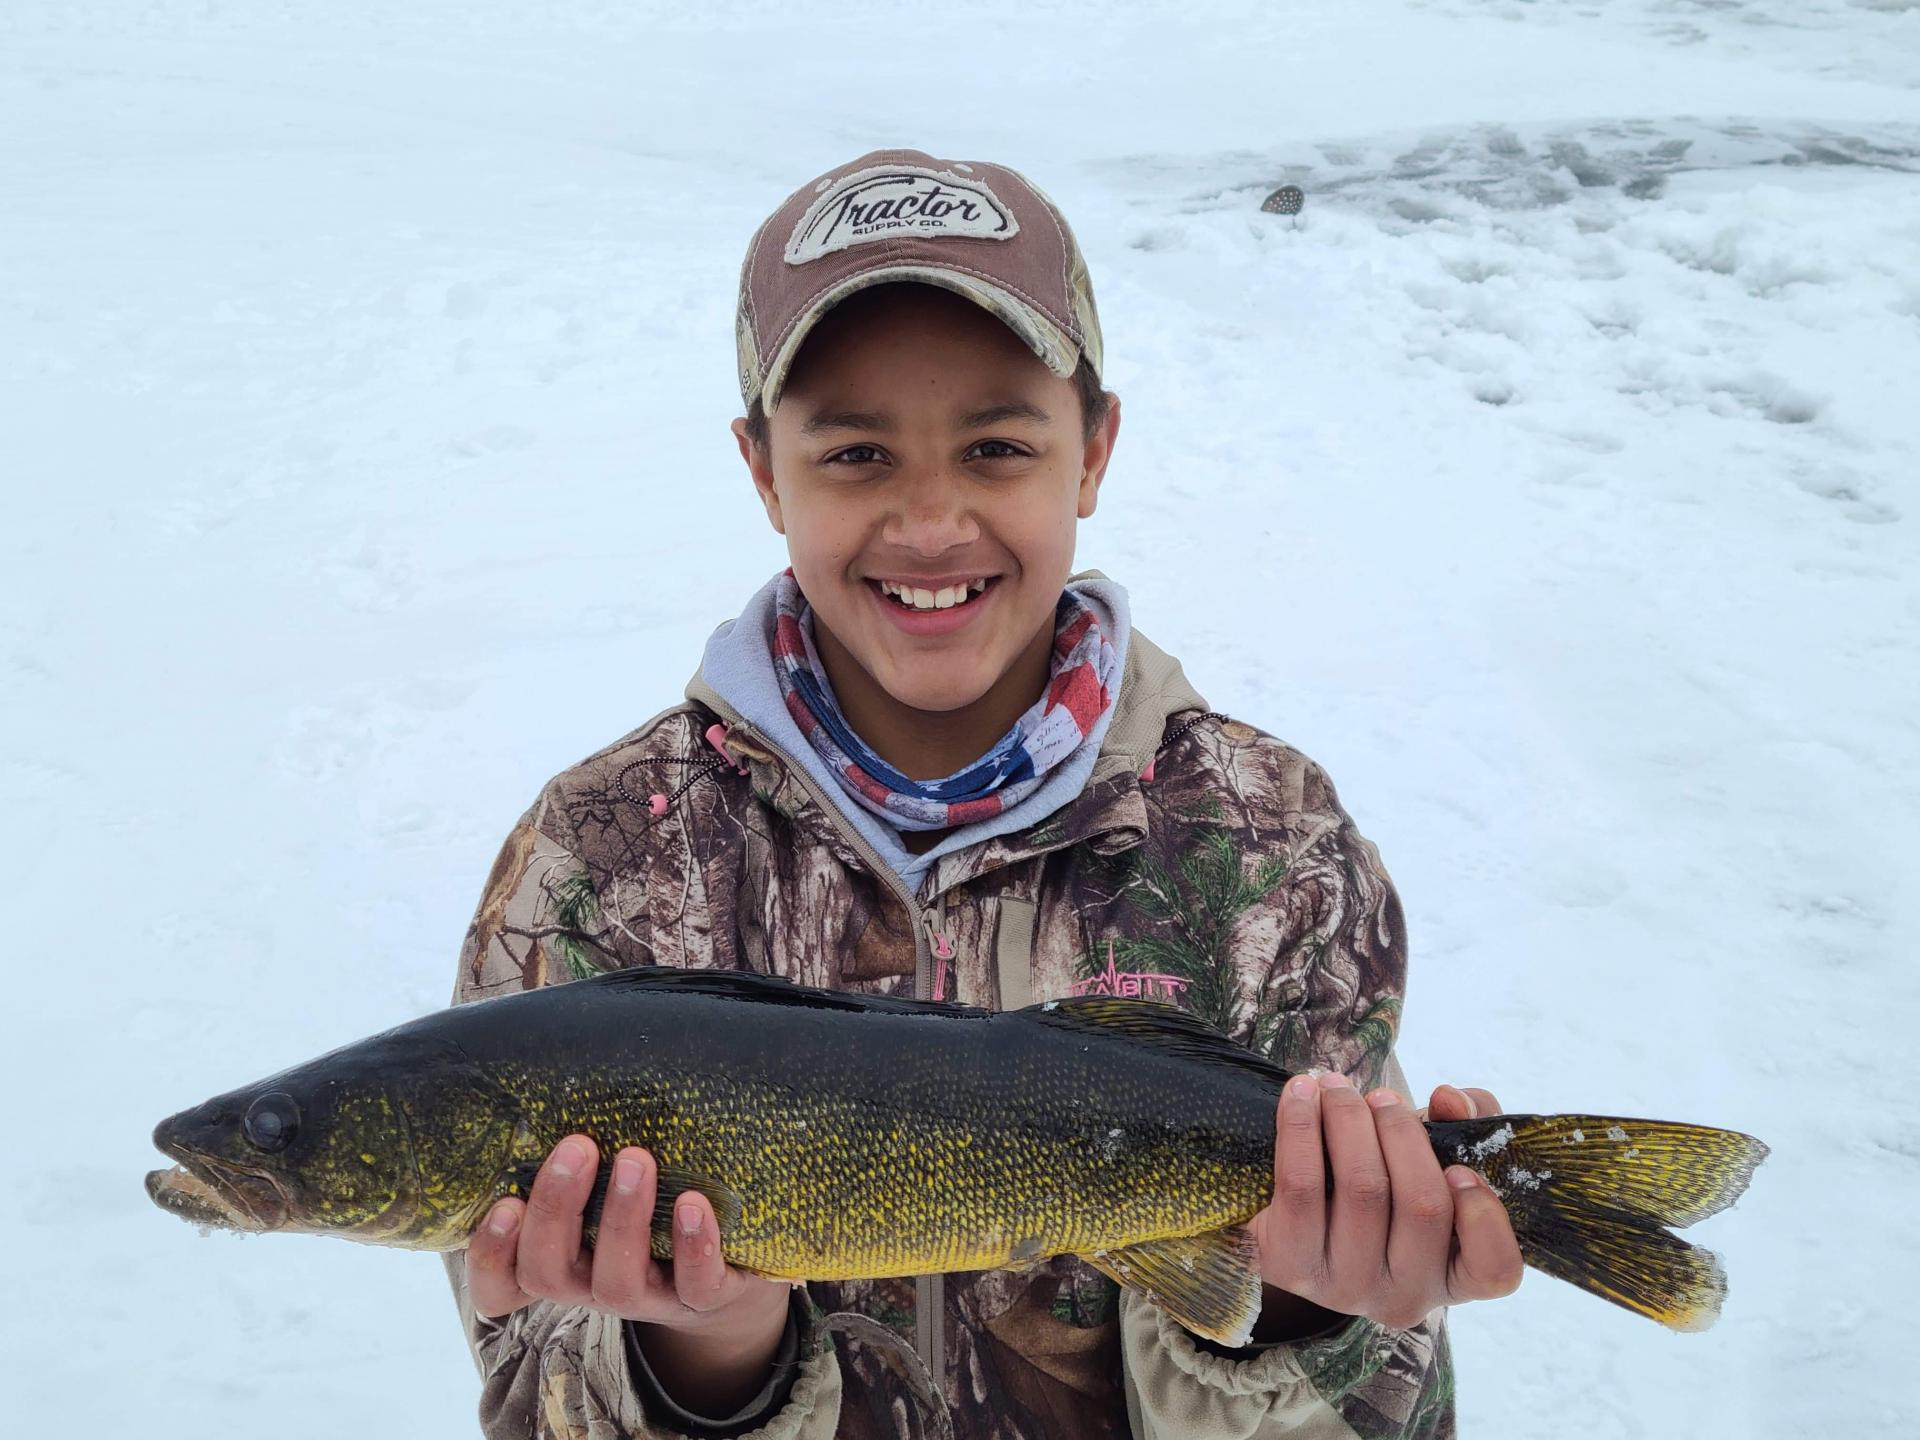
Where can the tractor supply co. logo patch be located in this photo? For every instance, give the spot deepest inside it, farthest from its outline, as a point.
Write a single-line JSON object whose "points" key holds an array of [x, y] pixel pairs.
{"points": [[896, 202]]}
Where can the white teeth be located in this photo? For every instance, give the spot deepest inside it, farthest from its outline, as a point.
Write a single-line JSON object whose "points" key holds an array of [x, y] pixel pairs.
{"points": [[921, 599]]}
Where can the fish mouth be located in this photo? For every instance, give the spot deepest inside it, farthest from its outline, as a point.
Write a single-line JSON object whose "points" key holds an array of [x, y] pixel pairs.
{"points": [[208, 1192]]}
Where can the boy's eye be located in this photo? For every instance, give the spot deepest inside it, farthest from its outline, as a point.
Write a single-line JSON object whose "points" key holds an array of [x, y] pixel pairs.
{"points": [[871, 454], [1004, 451]]}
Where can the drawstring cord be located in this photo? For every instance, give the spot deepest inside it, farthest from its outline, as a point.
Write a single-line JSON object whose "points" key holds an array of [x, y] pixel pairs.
{"points": [[1168, 739], [657, 803]]}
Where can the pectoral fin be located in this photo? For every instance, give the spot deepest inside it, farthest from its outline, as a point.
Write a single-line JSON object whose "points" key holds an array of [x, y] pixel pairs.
{"points": [[673, 1183], [1210, 1282]]}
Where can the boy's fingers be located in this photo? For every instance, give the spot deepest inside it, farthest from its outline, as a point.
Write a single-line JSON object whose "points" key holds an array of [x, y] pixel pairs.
{"points": [[490, 1262], [1362, 1194], [1483, 1102], [1422, 1228], [1488, 1263], [625, 1277], [699, 1270], [550, 1264], [1300, 1182], [1456, 1102]]}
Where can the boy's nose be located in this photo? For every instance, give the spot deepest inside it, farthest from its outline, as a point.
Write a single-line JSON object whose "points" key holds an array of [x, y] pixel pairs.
{"points": [[934, 515]]}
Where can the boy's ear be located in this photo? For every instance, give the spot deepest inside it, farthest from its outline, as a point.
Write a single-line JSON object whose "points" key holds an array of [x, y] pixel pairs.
{"points": [[1099, 452], [760, 466]]}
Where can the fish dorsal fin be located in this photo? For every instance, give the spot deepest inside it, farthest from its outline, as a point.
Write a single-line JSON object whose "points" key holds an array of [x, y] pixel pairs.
{"points": [[1210, 1282], [1164, 1027], [772, 990]]}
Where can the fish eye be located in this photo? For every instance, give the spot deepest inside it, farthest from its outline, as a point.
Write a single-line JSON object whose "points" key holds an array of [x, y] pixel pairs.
{"points": [[271, 1121]]}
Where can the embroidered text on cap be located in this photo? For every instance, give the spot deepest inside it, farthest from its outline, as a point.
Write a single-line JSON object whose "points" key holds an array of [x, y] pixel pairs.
{"points": [[896, 201]]}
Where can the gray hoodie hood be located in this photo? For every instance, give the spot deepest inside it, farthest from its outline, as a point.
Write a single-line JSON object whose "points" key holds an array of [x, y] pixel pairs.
{"points": [[738, 667]]}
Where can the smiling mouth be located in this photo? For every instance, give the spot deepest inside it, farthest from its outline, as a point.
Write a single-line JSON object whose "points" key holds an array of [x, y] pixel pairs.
{"points": [[923, 601]]}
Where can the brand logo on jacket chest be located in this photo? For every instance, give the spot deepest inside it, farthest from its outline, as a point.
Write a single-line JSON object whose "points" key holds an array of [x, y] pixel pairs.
{"points": [[1132, 984]]}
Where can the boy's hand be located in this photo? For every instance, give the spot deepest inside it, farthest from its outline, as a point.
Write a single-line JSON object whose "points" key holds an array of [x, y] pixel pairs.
{"points": [[1364, 1222], [717, 1327]]}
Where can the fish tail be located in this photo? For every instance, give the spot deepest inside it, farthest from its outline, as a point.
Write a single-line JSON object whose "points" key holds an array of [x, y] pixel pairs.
{"points": [[1590, 1198]]}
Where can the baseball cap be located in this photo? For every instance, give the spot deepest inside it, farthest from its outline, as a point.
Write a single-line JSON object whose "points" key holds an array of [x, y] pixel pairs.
{"points": [[981, 230]]}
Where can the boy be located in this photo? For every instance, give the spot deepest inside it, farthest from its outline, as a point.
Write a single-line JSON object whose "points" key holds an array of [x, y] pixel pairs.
{"points": [[929, 761]]}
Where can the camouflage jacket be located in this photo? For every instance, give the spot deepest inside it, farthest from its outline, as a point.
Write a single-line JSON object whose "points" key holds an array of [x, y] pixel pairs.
{"points": [[1204, 862]]}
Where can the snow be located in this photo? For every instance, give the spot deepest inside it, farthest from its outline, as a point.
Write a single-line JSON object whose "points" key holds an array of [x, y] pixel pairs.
{"points": [[364, 372], [1493, 1144]]}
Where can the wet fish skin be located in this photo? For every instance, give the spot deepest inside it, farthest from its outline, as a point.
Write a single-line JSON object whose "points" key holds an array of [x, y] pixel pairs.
{"points": [[843, 1136], [399, 1141], [859, 1139]]}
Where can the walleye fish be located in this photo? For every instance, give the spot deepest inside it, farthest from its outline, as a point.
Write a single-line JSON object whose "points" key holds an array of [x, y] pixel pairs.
{"points": [[842, 1136]]}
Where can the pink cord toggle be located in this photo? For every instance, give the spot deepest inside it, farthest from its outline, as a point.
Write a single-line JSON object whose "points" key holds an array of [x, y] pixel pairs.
{"points": [[943, 946], [657, 804], [1146, 775], [716, 737]]}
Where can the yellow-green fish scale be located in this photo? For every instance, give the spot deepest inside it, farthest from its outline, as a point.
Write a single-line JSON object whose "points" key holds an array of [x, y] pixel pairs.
{"points": [[849, 1136], [887, 1145]]}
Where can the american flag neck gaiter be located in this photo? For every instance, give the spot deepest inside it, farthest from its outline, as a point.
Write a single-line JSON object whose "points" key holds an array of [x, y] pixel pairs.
{"points": [[1082, 688]]}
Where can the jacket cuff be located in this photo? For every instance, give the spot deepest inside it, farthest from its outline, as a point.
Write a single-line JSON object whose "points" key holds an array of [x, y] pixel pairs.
{"points": [[1330, 1362], [1260, 1347], [665, 1413]]}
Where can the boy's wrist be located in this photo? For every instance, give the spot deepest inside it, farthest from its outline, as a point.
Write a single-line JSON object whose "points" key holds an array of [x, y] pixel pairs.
{"points": [[715, 1373], [1284, 1318]]}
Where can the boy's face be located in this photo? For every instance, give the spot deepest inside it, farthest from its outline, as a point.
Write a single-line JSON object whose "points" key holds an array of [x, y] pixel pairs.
{"points": [[919, 443]]}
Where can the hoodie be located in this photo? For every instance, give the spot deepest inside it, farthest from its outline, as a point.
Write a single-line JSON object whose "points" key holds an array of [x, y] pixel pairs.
{"points": [[738, 666]]}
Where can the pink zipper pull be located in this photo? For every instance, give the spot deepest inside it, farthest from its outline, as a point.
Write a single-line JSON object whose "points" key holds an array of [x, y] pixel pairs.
{"points": [[1146, 775], [716, 737], [934, 918]]}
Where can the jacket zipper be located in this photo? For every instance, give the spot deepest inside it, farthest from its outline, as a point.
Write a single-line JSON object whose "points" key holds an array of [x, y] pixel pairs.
{"points": [[939, 944], [929, 1291]]}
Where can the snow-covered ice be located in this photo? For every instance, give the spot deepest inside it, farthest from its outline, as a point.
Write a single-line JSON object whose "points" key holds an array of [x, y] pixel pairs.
{"points": [[1551, 478]]}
